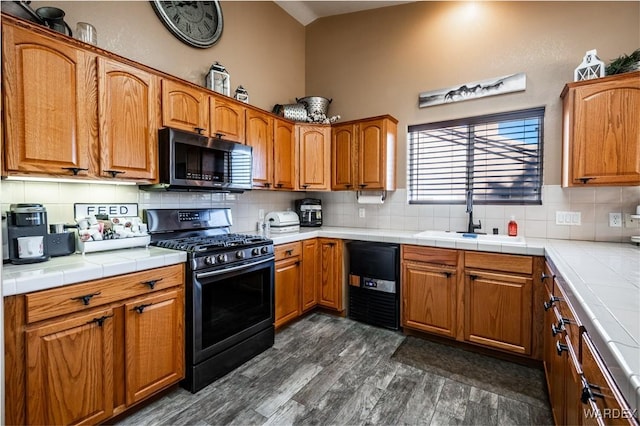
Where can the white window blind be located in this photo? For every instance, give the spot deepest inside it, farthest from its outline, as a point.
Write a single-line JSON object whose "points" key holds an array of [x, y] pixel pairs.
{"points": [[498, 157]]}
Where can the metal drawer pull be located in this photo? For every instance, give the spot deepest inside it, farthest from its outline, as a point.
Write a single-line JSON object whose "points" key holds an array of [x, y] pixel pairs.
{"points": [[86, 298], [140, 308], [587, 392], [447, 274], [549, 304], [561, 347], [288, 252], [151, 283], [558, 328], [100, 320]]}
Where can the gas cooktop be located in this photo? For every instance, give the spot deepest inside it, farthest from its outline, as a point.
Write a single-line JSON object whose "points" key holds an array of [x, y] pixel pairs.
{"points": [[208, 244]]}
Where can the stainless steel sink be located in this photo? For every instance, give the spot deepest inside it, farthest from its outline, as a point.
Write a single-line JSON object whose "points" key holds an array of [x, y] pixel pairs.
{"points": [[481, 238]]}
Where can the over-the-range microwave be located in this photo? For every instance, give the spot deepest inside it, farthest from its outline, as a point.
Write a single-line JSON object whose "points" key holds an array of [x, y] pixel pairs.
{"points": [[193, 162]]}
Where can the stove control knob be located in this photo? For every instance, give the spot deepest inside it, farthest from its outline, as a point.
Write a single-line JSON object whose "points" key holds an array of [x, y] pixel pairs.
{"points": [[255, 251], [264, 250], [240, 254], [222, 258], [210, 260]]}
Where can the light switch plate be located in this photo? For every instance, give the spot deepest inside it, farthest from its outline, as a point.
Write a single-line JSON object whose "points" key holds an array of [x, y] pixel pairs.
{"points": [[361, 212]]}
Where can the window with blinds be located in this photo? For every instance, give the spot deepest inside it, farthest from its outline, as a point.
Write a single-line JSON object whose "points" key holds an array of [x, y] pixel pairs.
{"points": [[498, 157]]}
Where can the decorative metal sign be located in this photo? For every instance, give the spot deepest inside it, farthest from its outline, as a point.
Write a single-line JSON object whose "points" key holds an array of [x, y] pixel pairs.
{"points": [[117, 210], [477, 89]]}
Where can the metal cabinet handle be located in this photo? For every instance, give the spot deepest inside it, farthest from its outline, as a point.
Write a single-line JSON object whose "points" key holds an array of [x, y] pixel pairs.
{"points": [[447, 274], [267, 185], [100, 320], [559, 328], [288, 252], [279, 185], [75, 170], [151, 283], [585, 179], [86, 298], [587, 393], [219, 135], [140, 308], [473, 277], [560, 347], [549, 304], [199, 130], [114, 173], [348, 185], [304, 186]]}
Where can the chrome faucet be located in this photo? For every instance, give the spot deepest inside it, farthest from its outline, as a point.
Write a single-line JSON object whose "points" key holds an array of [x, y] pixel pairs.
{"points": [[471, 228]]}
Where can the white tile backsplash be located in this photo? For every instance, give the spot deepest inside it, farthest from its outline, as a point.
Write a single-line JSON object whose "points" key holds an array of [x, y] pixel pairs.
{"points": [[341, 208]]}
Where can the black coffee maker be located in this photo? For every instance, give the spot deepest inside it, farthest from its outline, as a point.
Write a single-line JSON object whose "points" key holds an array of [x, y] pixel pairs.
{"points": [[27, 220], [309, 211]]}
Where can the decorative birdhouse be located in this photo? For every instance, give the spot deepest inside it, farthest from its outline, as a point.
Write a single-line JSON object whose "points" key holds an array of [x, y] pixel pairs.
{"points": [[591, 67], [242, 95], [218, 79]]}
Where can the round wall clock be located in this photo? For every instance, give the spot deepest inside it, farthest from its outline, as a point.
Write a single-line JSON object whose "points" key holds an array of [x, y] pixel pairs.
{"points": [[196, 23]]}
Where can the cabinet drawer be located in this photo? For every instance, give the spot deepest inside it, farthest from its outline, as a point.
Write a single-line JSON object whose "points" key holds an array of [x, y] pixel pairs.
{"points": [[430, 255], [499, 262], [69, 299], [286, 251]]}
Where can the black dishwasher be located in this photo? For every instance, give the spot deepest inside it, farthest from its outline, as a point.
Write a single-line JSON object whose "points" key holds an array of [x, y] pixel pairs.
{"points": [[374, 283]]}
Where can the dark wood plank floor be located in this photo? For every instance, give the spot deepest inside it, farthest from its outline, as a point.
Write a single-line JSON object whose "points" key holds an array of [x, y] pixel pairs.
{"points": [[325, 370]]}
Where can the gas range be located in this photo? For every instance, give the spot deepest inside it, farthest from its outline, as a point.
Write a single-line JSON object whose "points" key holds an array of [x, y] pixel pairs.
{"points": [[219, 250], [205, 235]]}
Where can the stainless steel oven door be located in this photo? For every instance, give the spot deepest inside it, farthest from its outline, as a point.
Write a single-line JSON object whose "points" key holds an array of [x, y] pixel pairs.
{"points": [[229, 305]]}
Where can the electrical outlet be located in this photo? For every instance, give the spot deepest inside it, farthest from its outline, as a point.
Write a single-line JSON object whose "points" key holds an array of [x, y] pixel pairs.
{"points": [[630, 221], [615, 220], [261, 214], [361, 212]]}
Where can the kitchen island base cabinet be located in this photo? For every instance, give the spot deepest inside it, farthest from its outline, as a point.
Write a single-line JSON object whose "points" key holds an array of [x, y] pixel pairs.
{"points": [[84, 363]]}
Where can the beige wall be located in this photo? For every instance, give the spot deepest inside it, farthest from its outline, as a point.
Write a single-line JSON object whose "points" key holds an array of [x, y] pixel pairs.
{"points": [[377, 62], [261, 46]]}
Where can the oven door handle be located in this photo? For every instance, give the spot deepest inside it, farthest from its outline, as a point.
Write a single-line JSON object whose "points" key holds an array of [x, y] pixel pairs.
{"points": [[235, 268]]}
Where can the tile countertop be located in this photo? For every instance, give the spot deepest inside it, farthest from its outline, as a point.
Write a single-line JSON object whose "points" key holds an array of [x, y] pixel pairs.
{"points": [[75, 268], [603, 281]]}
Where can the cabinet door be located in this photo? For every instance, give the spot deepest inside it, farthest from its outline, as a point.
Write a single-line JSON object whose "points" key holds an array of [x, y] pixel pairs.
{"points": [[331, 278], [128, 100], [259, 136], [284, 155], [498, 310], [154, 343], [310, 274], [573, 387], [605, 144], [314, 150], [50, 111], [70, 370], [227, 118], [287, 293], [376, 154], [343, 157], [429, 298], [184, 107]]}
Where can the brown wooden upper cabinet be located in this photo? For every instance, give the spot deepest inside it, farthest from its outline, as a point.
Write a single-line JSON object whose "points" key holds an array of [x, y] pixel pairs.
{"points": [[185, 107], [363, 154], [284, 158], [127, 110], [601, 131], [227, 119], [259, 135], [314, 153], [68, 111], [50, 110]]}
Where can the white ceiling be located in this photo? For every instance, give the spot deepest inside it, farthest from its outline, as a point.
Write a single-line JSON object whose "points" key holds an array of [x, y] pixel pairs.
{"points": [[306, 12]]}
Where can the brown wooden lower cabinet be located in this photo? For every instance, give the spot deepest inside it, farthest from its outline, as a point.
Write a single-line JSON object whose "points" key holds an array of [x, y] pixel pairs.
{"points": [[581, 389], [308, 274], [477, 297], [86, 364]]}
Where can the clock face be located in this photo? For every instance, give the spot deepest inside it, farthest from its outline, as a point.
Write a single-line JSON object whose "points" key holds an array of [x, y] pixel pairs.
{"points": [[196, 23]]}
